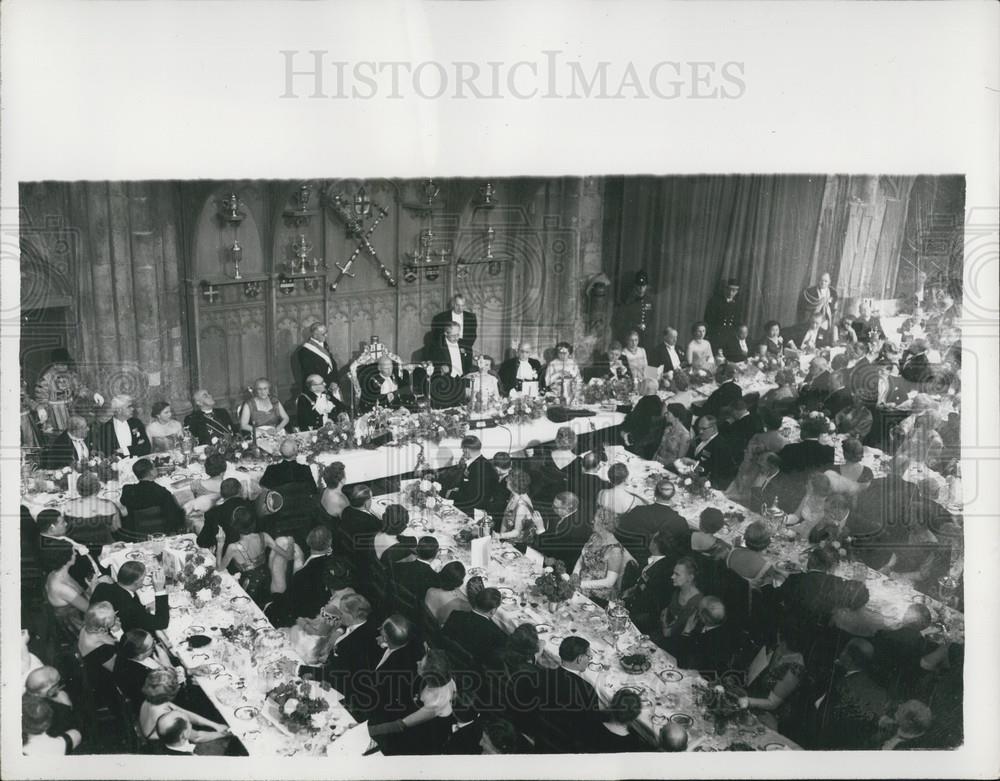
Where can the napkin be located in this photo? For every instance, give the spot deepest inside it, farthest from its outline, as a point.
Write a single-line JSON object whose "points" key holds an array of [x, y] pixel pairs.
{"points": [[481, 552]]}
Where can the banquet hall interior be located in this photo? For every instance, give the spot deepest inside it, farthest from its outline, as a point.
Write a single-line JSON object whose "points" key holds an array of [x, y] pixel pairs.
{"points": [[529, 465]]}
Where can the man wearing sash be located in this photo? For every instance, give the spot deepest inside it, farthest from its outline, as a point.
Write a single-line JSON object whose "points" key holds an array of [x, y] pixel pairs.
{"points": [[314, 356]]}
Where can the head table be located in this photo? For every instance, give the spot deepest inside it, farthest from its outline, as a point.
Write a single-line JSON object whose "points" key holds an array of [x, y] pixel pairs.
{"points": [[667, 693], [363, 464], [234, 678]]}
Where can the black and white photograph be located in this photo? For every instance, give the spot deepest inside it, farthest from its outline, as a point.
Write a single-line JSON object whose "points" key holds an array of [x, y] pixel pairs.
{"points": [[376, 470]]}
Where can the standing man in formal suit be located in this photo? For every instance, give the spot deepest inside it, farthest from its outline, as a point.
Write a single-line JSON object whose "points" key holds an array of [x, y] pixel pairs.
{"points": [[586, 484], [476, 483], [665, 355], [314, 356], [123, 598], [309, 589], [356, 648], [452, 363], [207, 420], [724, 312], [639, 525], [124, 434], [463, 319], [652, 591], [567, 532], [715, 454], [727, 394], [288, 470], [475, 631], [71, 447], [413, 575], [522, 373], [635, 313], [359, 525], [569, 703]]}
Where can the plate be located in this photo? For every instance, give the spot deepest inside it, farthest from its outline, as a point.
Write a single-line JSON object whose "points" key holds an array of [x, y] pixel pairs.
{"points": [[509, 555], [775, 747], [670, 676], [682, 719], [134, 555], [588, 607], [508, 603], [199, 659], [246, 713], [543, 629], [240, 603], [210, 670], [196, 629], [506, 592], [224, 677]]}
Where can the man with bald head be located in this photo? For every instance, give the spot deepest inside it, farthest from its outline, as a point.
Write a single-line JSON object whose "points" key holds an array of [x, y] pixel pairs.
{"points": [[707, 645], [46, 682], [289, 471], [522, 373], [383, 384], [666, 355]]}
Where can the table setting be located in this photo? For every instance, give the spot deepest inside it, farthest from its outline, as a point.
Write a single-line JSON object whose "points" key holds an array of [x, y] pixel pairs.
{"points": [[622, 657]]}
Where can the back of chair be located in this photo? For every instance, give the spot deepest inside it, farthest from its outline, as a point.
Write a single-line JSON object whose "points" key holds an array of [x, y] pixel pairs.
{"points": [[148, 520], [95, 531]]}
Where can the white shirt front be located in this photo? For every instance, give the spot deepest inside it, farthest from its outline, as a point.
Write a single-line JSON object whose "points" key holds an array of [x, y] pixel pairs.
{"points": [[82, 451], [388, 386], [459, 320], [743, 345], [455, 355], [525, 371], [124, 434], [675, 360]]}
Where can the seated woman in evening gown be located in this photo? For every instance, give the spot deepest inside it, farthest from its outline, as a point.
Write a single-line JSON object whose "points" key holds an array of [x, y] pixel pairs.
{"points": [[699, 349], [249, 555], [163, 430], [263, 410], [602, 560]]}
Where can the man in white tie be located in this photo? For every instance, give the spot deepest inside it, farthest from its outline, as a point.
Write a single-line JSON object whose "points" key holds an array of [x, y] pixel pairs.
{"points": [[737, 349], [665, 355], [522, 372], [457, 314], [71, 447]]}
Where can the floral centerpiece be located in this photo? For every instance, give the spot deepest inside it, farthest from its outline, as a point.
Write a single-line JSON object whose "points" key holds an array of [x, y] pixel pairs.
{"points": [[554, 584], [599, 390], [523, 409], [298, 709], [697, 484], [720, 703], [199, 578], [699, 376], [334, 436], [425, 492]]}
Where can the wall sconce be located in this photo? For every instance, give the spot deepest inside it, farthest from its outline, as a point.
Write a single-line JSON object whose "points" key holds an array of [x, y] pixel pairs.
{"points": [[493, 260]]}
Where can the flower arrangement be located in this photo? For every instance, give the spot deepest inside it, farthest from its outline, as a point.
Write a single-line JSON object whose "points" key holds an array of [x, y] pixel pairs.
{"points": [[425, 492], [720, 703], [697, 484], [298, 709], [554, 584], [816, 423], [599, 390], [231, 447], [523, 409], [200, 579], [334, 436]]}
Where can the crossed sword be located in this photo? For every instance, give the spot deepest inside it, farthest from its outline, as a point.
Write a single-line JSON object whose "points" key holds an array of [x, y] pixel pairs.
{"points": [[354, 226]]}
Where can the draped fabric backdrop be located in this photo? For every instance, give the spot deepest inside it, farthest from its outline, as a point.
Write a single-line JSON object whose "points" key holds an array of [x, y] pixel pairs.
{"points": [[691, 233]]}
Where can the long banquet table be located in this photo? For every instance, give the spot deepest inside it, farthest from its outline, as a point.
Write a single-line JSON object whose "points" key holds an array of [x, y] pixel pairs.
{"points": [[667, 692], [228, 673], [363, 464], [889, 597]]}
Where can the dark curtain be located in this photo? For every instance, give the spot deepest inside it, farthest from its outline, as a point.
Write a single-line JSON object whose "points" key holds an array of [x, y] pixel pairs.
{"points": [[690, 233]]}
